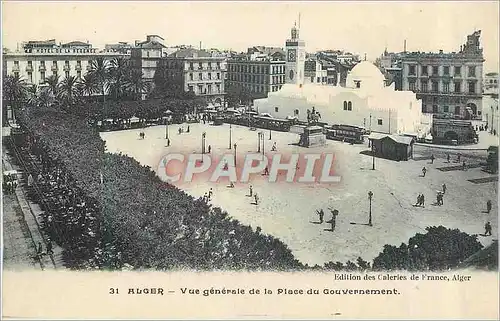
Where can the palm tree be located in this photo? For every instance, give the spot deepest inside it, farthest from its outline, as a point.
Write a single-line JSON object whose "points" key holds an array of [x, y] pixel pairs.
{"points": [[45, 97], [68, 90], [100, 69], [53, 83], [118, 72], [14, 92], [88, 85], [135, 84]]}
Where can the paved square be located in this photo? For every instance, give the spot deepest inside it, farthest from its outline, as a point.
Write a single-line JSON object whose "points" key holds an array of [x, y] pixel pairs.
{"points": [[288, 210]]}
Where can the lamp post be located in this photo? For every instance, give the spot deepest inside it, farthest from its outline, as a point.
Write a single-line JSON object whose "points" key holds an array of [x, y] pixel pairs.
{"points": [[370, 195], [230, 130], [203, 142], [166, 129], [373, 157], [263, 143], [270, 135], [258, 135], [235, 154]]}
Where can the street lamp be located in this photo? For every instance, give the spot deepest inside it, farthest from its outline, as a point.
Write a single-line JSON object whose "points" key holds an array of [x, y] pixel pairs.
{"points": [[258, 134], [203, 142], [230, 135], [235, 154], [373, 157], [270, 135], [263, 141], [166, 129], [370, 195]]}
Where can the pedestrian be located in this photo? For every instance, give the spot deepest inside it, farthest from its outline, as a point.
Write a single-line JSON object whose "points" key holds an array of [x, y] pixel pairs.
{"points": [[432, 159], [251, 191], [49, 247], [273, 149], [419, 200], [205, 198], [179, 130], [187, 131], [266, 171], [30, 180], [210, 193], [424, 170], [321, 214], [209, 148], [464, 166], [458, 158], [487, 229], [168, 142], [39, 249], [256, 199], [231, 185], [448, 158], [9, 187], [333, 221], [488, 206], [422, 200], [444, 188]]}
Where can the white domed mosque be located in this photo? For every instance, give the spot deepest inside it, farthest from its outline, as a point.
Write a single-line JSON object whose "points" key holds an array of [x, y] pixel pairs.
{"points": [[364, 102]]}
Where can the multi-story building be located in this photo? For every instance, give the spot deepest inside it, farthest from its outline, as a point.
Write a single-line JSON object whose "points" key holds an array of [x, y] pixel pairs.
{"points": [[258, 75], [145, 56], [120, 47], [199, 72], [447, 83], [490, 85], [41, 59], [314, 72]]}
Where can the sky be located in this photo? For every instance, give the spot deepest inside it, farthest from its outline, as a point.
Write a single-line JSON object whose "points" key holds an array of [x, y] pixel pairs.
{"points": [[359, 27]]}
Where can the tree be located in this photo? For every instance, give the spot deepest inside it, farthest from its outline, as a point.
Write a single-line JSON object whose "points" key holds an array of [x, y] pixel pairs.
{"points": [[14, 93], [53, 84], [88, 85], [438, 250], [99, 68], [135, 84], [118, 72], [237, 95], [68, 91], [167, 84]]}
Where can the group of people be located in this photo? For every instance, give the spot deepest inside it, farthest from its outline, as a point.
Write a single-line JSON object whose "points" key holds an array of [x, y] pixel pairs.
{"points": [[9, 184], [181, 129], [332, 221]]}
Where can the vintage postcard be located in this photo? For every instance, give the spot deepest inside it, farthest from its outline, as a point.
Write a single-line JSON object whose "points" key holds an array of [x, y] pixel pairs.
{"points": [[250, 160]]}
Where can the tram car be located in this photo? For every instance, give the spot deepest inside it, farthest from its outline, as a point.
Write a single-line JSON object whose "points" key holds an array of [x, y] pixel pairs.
{"points": [[267, 122], [347, 133]]}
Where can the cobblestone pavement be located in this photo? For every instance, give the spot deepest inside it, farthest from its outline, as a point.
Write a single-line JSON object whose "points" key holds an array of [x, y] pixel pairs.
{"points": [[288, 211]]}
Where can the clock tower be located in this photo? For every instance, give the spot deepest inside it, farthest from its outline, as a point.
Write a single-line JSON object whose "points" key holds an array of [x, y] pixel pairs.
{"points": [[295, 58]]}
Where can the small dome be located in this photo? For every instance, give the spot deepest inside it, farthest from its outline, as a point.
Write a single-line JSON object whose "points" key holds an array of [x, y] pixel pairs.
{"points": [[367, 75]]}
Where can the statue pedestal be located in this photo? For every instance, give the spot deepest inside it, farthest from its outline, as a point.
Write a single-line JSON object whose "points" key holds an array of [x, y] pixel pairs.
{"points": [[312, 136]]}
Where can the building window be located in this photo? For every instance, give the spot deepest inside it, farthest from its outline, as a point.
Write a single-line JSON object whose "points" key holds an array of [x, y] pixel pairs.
{"points": [[424, 110], [434, 109], [411, 72], [457, 110], [424, 86], [472, 87], [42, 76], [191, 66], [349, 106], [218, 88], [446, 87], [458, 70], [457, 86], [190, 76], [275, 109], [435, 70], [190, 88], [446, 109], [30, 77], [425, 70], [358, 84], [435, 86], [379, 121], [16, 64], [200, 76], [218, 65], [16, 74], [209, 76], [54, 73], [200, 89], [345, 105], [218, 75], [318, 79], [472, 71], [209, 87], [210, 65], [79, 74], [446, 70], [296, 112], [412, 85], [200, 65]]}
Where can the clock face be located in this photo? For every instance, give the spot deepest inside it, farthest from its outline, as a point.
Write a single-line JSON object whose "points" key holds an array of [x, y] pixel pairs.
{"points": [[292, 55], [291, 74]]}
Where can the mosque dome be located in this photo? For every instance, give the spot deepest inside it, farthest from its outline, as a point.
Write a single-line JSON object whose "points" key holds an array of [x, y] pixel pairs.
{"points": [[365, 75]]}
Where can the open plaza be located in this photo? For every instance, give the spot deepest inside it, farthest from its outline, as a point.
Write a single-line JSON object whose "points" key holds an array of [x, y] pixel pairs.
{"points": [[288, 210]]}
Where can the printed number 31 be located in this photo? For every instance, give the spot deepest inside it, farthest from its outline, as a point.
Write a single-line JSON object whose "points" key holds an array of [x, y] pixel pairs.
{"points": [[113, 290]]}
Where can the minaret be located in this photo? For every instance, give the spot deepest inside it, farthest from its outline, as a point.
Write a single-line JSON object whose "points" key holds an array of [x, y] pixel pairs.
{"points": [[295, 57]]}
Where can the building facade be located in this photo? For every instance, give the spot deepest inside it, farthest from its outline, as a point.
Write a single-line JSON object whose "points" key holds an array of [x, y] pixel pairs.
{"points": [[40, 59], [314, 73], [258, 77], [449, 84], [199, 72], [490, 85]]}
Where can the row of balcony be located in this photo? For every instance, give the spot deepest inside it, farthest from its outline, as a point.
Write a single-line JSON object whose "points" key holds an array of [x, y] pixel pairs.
{"points": [[53, 68], [434, 92], [441, 76]]}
